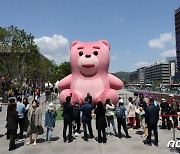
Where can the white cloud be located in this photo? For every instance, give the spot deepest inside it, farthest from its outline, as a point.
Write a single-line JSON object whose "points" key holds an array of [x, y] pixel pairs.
{"points": [[143, 64], [120, 19], [54, 48], [114, 57], [160, 42], [168, 53]]}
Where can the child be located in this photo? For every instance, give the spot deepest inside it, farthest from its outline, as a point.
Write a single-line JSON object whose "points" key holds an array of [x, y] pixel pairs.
{"points": [[50, 119]]}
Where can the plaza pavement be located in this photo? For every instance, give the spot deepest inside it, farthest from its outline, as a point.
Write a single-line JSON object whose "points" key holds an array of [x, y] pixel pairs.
{"points": [[114, 145]]}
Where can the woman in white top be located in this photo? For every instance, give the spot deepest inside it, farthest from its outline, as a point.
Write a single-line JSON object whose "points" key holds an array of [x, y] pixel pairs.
{"points": [[110, 116], [131, 112]]}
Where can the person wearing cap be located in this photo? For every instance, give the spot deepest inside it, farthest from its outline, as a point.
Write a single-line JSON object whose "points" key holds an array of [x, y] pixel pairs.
{"points": [[165, 110], [121, 119], [50, 119], [151, 119], [173, 109]]}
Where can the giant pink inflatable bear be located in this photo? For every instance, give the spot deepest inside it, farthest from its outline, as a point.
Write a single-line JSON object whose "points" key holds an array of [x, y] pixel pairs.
{"points": [[89, 65]]}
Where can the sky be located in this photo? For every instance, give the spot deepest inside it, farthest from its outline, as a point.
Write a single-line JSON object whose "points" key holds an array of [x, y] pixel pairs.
{"points": [[140, 32]]}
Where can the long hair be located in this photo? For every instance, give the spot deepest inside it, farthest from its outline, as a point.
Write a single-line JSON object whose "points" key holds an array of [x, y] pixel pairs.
{"points": [[25, 98], [100, 107], [37, 104], [12, 109], [108, 101]]}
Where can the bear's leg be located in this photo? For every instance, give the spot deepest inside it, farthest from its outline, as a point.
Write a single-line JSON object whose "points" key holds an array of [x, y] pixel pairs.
{"points": [[69, 92], [108, 94]]}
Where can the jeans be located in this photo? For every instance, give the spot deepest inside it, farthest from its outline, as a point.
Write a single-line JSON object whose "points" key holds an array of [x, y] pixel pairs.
{"points": [[154, 128], [21, 126], [122, 122], [111, 121], [88, 123], [49, 133]]}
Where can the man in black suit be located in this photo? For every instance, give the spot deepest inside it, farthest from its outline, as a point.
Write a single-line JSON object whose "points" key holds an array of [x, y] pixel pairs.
{"points": [[151, 119]]}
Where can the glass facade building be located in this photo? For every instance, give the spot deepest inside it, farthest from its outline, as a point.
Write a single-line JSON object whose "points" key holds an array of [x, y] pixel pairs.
{"points": [[177, 33]]}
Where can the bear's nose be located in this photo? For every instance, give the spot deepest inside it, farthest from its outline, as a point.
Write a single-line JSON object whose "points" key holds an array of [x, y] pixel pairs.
{"points": [[87, 56]]}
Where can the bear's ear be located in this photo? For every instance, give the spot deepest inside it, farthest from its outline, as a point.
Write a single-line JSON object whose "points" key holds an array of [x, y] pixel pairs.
{"points": [[74, 43], [105, 42]]}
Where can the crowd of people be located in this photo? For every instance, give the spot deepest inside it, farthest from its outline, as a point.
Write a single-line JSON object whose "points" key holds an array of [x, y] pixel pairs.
{"points": [[29, 119], [138, 114]]}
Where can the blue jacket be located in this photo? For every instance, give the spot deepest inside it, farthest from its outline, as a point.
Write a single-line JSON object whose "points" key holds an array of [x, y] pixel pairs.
{"points": [[21, 109], [86, 111], [50, 118]]}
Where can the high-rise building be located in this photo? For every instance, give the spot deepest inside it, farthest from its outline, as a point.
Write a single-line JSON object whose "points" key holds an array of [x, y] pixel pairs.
{"points": [[138, 76], [157, 73], [177, 33]]}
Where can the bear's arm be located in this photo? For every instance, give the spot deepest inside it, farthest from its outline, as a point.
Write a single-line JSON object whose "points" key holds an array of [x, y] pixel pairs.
{"points": [[115, 83], [65, 82]]}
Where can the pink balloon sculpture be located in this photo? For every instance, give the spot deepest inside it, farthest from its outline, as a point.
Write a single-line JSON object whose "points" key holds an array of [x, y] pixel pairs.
{"points": [[89, 65]]}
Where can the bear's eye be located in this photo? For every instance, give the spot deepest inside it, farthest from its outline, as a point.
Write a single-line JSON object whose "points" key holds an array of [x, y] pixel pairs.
{"points": [[80, 53], [95, 53]]}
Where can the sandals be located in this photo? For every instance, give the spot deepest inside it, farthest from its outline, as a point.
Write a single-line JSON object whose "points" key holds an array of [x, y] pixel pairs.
{"points": [[34, 143], [29, 143]]}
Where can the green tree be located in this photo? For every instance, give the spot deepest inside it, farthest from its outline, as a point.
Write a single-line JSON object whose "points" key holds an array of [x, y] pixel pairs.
{"points": [[61, 71]]}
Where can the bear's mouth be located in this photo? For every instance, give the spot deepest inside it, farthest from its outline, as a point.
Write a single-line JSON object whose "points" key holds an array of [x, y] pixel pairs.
{"points": [[88, 66]]}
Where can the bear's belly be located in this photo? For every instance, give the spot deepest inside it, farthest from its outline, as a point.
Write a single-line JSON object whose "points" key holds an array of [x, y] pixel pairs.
{"points": [[95, 87]]}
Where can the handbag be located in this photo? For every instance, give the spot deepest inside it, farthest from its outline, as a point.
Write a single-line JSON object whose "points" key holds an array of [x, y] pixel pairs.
{"points": [[138, 111], [146, 131]]}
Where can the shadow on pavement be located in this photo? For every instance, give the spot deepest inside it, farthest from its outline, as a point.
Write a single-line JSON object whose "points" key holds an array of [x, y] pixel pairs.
{"points": [[1, 135], [40, 140], [139, 132], [54, 138], [18, 145]]}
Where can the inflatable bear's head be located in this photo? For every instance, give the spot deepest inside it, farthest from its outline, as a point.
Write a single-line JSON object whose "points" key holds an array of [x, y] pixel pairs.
{"points": [[89, 58]]}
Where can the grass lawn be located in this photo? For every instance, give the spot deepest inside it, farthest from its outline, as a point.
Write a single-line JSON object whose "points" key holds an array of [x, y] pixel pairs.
{"points": [[59, 113]]}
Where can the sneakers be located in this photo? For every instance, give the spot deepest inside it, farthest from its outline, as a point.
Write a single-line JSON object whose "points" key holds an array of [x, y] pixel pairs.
{"points": [[85, 139], [65, 140], [76, 134], [92, 136], [21, 140]]}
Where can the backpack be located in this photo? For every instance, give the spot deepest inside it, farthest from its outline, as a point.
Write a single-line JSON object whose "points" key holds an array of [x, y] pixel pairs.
{"points": [[120, 112]]}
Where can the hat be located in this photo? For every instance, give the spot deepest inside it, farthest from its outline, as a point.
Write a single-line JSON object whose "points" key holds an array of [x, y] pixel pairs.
{"points": [[51, 106], [163, 100], [121, 101], [171, 95]]}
